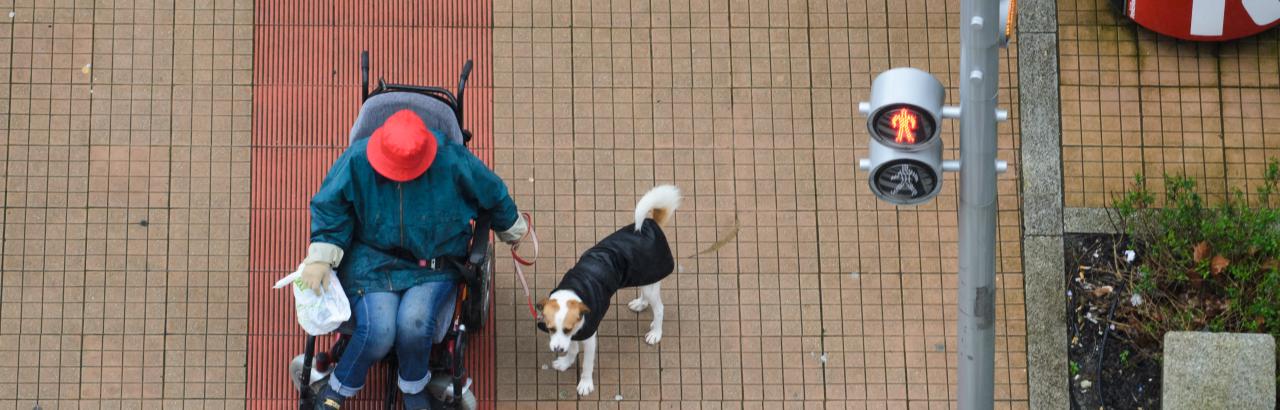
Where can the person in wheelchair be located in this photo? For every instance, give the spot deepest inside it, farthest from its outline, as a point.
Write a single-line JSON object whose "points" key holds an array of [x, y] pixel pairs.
{"points": [[393, 218]]}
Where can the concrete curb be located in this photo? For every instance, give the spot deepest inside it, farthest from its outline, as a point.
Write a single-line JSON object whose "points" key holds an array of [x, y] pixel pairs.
{"points": [[1042, 210], [1219, 370], [1087, 220]]}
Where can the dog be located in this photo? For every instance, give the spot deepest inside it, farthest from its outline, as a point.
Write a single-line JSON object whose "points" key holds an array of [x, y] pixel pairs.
{"points": [[637, 255]]}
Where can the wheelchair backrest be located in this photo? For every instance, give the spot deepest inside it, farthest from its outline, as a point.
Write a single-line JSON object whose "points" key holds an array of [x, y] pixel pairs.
{"points": [[436, 114]]}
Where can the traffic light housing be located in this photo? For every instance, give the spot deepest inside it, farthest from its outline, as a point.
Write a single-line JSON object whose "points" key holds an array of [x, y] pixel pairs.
{"points": [[904, 117]]}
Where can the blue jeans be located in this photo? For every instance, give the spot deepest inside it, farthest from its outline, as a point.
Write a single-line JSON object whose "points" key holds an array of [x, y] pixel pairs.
{"points": [[411, 320]]}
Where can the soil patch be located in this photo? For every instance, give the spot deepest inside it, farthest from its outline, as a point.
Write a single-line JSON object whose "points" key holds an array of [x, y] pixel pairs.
{"points": [[1106, 370]]}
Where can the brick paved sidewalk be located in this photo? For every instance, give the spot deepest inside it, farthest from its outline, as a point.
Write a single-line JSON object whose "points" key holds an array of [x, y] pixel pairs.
{"points": [[827, 295], [126, 173]]}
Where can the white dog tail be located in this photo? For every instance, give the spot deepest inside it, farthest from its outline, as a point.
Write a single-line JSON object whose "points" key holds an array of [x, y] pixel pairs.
{"points": [[662, 201]]}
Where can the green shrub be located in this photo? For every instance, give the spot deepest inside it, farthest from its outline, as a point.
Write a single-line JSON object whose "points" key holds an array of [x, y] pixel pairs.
{"points": [[1203, 267]]}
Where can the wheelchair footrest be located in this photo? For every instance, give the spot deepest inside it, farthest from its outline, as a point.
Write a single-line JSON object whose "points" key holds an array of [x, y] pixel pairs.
{"points": [[441, 388], [295, 374]]}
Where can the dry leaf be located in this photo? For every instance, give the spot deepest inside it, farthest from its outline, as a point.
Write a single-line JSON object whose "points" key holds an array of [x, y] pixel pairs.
{"points": [[1201, 252], [1218, 264], [1195, 279], [1271, 264], [1102, 291]]}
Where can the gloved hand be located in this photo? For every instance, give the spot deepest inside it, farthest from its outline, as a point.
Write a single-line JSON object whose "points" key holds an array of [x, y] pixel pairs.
{"points": [[316, 276], [321, 257], [517, 232]]}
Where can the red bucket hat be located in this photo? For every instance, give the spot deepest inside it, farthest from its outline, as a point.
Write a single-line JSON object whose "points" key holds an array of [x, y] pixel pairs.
{"points": [[402, 148]]}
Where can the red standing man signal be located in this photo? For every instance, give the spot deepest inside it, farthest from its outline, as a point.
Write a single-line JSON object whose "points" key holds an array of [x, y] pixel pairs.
{"points": [[904, 122]]}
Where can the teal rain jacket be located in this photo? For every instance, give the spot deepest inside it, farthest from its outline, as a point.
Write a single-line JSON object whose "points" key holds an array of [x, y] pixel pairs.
{"points": [[391, 231]]}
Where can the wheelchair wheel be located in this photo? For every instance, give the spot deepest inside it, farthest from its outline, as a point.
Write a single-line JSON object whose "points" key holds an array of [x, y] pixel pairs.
{"points": [[476, 312]]}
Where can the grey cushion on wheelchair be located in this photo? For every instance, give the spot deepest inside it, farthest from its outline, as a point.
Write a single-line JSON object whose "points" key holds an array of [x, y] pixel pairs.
{"points": [[434, 113]]}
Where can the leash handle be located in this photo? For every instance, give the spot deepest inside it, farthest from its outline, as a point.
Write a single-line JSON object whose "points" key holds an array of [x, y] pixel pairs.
{"points": [[518, 262], [533, 235]]}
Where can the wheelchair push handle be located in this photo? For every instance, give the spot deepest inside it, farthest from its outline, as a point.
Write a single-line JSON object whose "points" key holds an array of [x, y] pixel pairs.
{"points": [[462, 87], [462, 79], [364, 75]]}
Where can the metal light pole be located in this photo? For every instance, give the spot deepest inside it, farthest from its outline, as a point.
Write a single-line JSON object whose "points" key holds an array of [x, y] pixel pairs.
{"points": [[980, 32], [905, 166]]}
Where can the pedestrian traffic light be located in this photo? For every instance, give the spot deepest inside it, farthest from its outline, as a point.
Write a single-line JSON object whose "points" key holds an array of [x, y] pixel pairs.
{"points": [[903, 117], [905, 124]]}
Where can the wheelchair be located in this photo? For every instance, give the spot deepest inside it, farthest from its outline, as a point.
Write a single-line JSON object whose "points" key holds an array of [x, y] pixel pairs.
{"points": [[440, 110]]}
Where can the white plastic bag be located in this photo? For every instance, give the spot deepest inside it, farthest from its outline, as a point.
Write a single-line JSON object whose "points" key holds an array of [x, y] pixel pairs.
{"points": [[321, 314]]}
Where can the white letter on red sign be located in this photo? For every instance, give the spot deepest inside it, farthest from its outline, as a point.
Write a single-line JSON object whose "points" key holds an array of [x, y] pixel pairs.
{"points": [[1263, 12], [1206, 17]]}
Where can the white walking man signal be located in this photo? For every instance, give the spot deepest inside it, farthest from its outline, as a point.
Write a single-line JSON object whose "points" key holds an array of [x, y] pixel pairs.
{"points": [[907, 178]]}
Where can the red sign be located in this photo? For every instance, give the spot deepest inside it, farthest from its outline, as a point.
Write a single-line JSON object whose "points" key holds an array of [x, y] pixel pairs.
{"points": [[1205, 20]]}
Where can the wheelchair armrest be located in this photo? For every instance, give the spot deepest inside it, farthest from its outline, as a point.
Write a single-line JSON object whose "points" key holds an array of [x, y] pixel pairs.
{"points": [[479, 241]]}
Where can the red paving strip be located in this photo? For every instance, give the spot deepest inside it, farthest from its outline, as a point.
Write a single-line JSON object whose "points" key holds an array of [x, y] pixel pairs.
{"points": [[306, 94]]}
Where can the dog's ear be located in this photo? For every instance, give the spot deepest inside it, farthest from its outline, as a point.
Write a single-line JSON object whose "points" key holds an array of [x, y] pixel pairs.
{"points": [[582, 307]]}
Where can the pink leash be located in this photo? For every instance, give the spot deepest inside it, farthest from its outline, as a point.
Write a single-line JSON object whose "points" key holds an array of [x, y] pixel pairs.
{"points": [[518, 262]]}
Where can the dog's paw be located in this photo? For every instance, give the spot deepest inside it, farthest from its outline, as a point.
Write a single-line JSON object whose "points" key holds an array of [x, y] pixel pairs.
{"points": [[638, 305], [562, 363], [585, 387], [653, 337]]}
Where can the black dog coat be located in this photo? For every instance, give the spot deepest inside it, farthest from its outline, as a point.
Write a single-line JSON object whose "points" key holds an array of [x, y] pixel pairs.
{"points": [[624, 259]]}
